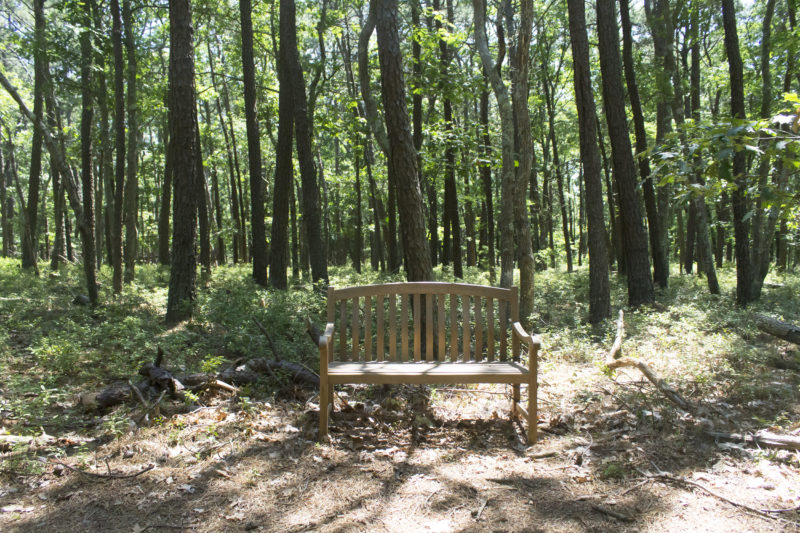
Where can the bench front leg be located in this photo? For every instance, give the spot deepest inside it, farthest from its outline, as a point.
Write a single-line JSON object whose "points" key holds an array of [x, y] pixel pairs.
{"points": [[534, 343], [325, 388]]}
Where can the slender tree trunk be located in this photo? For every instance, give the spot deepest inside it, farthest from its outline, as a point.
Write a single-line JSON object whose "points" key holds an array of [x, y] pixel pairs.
{"points": [[257, 201], [131, 179], [403, 155], [640, 284], [220, 255], [30, 218], [486, 181], [87, 179], [201, 191], [507, 131], [57, 257], [119, 146], [4, 221], [657, 250], [183, 274], [358, 243], [741, 229]]}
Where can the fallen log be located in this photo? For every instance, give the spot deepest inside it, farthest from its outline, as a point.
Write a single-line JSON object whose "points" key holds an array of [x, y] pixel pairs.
{"points": [[782, 330], [761, 438], [614, 361]]}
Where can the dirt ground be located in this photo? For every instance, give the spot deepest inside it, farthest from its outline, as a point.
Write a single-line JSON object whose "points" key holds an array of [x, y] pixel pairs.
{"points": [[612, 457]]}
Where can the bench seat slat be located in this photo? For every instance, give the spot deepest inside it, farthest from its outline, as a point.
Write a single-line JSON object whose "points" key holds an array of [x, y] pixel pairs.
{"points": [[427, 373]]}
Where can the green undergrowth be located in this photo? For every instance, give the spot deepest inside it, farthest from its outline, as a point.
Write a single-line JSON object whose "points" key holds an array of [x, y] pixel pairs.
{"points": [[52, 349]]}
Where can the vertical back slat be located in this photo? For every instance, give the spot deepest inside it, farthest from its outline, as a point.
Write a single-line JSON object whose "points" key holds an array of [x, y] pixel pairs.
{"points": [[417, 310], [503, 312], [393, 327], [380, 326], [440, 319], [368, 328], [355, 330], [478, 330], [466, 334], [490, 328], [515, 355], [404, 328], [429, 327], [342, 329], [453, 328]]}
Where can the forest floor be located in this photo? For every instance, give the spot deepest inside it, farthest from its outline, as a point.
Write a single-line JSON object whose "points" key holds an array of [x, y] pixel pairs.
{"points": [[613, 454]]}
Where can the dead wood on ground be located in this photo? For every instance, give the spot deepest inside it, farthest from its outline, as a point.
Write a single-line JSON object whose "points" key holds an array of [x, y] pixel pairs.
{"points": [[778, 328]]}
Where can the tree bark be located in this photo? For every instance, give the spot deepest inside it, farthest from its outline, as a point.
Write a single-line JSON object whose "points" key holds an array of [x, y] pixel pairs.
{"points": [[312, 213], [257, 201], [119, 147], [508, 181], [658, 252], [183, 274], [131, 179], [741, 226], [599, 289], [403, 155], [87, 179], [640, 283]]}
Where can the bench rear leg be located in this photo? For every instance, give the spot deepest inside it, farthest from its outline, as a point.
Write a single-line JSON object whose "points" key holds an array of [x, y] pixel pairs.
{"points": [[324, 403], [515, 399]]}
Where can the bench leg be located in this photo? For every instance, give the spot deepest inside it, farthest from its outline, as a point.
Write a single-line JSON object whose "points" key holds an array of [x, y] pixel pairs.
{"points": [[533, 415], [515, 398], [324, 403]]}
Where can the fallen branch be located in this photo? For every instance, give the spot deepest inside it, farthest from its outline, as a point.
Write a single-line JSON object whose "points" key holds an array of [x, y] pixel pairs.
{"points": [[614, 361], [110, 475], [782, 330], [614, 514], [762, 438]]}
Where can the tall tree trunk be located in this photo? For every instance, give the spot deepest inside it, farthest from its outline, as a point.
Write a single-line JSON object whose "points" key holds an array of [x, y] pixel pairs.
{"points": [[131, 179], [258, 227], [657, 250], [741, 229], [312, 214], [220, 255], [640, 283], [403, 155], [487, 221], [31, 209], [379, 132], [201, 191], [279, 252], [507, 131], [87, 179], [57, 256], [358, 243], [183, 275], [119, 145], [4, 220], [523, 143]]}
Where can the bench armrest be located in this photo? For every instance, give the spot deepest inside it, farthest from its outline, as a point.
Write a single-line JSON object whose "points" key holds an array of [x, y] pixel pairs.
{"points": [[325, 348], [534, 341]]}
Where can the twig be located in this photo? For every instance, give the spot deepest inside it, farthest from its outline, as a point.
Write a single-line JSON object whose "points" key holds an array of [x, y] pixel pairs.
{"points": [[614, 514], [104, 476], [275, 354], [480, 511], [476, 391]]}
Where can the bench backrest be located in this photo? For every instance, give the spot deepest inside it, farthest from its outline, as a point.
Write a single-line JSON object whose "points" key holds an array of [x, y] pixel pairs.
{"points": [[422, 321]]}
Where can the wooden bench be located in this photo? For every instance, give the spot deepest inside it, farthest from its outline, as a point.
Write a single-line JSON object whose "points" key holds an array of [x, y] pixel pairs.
{"points": [[426, 333]]}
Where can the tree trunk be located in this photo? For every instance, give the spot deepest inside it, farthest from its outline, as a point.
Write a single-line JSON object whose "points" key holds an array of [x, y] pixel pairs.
{"points": [[312, 214], [640, 284], [220, 255], [183, 274], [131, 179], [507, 131], [599, 289], [119, 146], [257, 201], [31, 209], [201, 191], [87, 179], [4, 221], [403, 155], [487, 221], [741, 226], [658, 252]]}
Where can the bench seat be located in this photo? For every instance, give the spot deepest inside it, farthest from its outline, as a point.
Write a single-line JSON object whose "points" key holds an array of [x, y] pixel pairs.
{"points": [[375, 372]]}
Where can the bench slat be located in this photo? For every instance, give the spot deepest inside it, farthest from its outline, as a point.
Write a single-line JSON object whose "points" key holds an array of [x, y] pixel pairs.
{"points": [[502, 311], [417, 311], [466, 335], [478, 330], [453, 328], [426, 287], [429, 327], [392, 327], [404, 328], [354, 329], [490, 329], [342, 329], [379, 311], [440, 319], [429, 373]]}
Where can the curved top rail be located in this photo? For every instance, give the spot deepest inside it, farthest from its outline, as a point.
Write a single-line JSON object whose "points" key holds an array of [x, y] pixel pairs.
{"points": [[423, 287]]}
